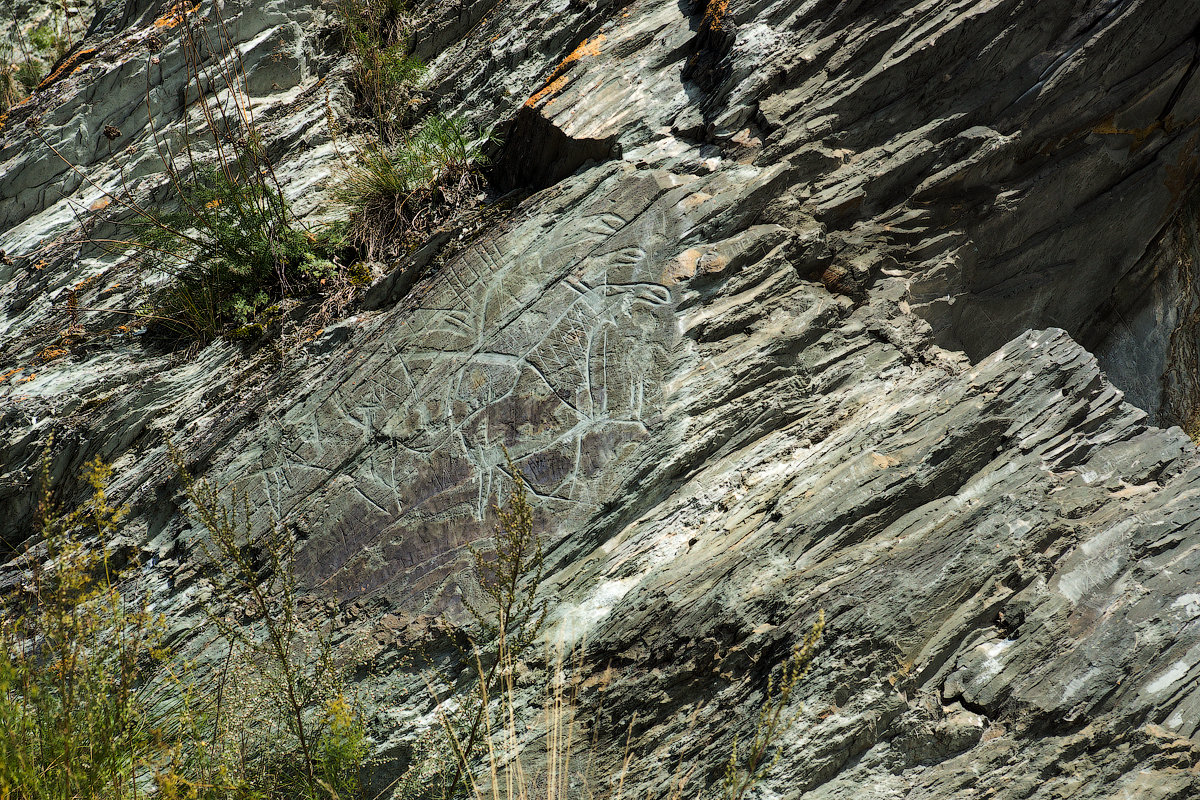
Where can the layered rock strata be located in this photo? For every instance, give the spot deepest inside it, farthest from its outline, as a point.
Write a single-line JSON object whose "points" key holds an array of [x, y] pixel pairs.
{"points": [[788, 322]]}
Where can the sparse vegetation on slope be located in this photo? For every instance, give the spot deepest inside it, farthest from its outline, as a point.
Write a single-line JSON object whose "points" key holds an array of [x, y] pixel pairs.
{"points": [[285, 723], [24, 62], [384, 74], [75, 719], [96, 706], [229, 244], [231, 250], [399, 196]]}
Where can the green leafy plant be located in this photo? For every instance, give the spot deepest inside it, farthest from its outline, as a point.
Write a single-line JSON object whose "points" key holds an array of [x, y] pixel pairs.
{"points": [[17, 80], [286, 723], [232, 246], [398, 196], [384, 75], [25, 62], [776, 717], [50, 40], [75, 718], [509, 616], [228, 248], [92, 705], [232, 249]]}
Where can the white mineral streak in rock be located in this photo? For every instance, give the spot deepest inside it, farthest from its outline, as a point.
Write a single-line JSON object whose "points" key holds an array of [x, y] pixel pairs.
{"points": [[1100, 558], [1169, 678], [573, 621]]}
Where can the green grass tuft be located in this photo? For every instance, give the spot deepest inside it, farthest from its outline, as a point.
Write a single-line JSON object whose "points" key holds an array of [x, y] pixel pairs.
{"points": [[398, 196]]}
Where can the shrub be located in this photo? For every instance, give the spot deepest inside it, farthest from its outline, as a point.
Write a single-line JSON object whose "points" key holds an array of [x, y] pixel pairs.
{"points": [[92, 705], [230, 246], [74, 716], [398, 196], [231, 250], [21, 73], [384, 75], [285, 723], [50, 40]]}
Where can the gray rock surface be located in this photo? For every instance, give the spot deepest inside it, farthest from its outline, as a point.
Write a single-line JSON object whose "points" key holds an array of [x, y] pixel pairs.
{"points": [[790, 325]]}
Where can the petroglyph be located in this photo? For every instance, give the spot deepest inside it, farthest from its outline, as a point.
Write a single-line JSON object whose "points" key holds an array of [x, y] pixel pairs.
{"points": [[553, 343]]}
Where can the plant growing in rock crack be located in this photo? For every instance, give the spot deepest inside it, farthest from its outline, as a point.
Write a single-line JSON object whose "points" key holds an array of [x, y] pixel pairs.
{"points": [[399, 196], [94, 706], [284, 722], [226, 249], [383, 76], [75, 718], [233, 247], [23, 62], [776, 716]]}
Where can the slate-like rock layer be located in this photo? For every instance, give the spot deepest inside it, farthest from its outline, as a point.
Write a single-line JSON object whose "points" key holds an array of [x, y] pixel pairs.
{"points": [[724, 352]]}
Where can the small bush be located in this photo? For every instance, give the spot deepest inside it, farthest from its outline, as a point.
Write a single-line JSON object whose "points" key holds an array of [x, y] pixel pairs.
{"points": [[93, 706], [285, 724], [232, 249], [20, 73], [50, 41], [76, 651], [384, 75], [230, 246], [399, 196]]}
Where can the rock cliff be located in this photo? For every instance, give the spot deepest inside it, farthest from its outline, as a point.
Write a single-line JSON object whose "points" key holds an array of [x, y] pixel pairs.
{"points": [[869, 307]]}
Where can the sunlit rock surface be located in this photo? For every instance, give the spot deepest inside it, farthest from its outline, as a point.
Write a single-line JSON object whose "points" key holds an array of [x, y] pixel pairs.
{"points": [[795, 319]]}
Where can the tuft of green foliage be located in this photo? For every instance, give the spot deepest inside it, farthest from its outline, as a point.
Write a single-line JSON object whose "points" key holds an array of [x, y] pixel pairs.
{"points": [[398, 196], [285, 724], [49, 40], [76, 651], [92, 705], [232, 249], [21, 73], [775, 718], [230, 245], [384, 75]]}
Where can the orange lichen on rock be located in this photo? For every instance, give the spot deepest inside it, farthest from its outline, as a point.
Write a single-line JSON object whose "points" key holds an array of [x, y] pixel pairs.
{"points": [[1109, 128], [588, 47], [715, 14], [9, 374], [549, 89], [50, 353], [68, 66], [175, 16], [557, 80]]}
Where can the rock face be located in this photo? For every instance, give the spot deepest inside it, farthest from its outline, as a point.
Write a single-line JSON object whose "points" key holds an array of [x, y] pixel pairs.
{"points": [[790, 323]]}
